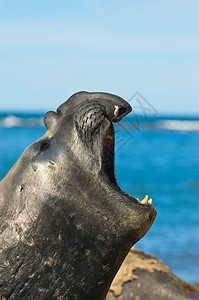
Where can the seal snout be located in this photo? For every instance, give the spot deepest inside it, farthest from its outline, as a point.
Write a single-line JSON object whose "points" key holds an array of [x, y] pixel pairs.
{"points": [[120, 112], [116, 108]]}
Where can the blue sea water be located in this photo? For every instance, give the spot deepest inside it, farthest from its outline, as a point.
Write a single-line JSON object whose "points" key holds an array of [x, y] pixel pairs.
{"points": [[158, 156]]}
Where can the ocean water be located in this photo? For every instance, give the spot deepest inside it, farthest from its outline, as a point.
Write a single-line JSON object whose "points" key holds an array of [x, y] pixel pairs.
{"points": [[158, 156]]}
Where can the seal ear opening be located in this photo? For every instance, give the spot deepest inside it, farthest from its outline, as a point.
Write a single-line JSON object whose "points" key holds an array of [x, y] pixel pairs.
{"points": [[50, 120]]}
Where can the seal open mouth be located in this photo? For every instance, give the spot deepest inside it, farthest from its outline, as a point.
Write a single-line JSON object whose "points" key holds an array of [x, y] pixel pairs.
{"points": [[108, 158], [108, 151]]}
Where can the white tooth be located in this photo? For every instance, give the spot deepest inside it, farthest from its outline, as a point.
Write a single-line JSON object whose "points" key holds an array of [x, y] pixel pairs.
{"points": [[116, 110], [150, 201], [145, 200]]}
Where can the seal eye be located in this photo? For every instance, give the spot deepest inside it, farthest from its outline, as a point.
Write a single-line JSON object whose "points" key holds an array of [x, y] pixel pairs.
{"points": [[44, 145]]}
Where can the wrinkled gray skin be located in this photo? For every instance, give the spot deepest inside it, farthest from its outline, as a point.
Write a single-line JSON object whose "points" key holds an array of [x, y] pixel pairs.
{"points": [[65, 224]]}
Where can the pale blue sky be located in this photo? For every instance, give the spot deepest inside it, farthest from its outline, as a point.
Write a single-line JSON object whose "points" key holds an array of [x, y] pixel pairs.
{"points": [[51, 49]]}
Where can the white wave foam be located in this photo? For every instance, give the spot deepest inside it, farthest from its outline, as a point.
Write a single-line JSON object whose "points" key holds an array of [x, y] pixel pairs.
{"points": [[13, 121], [179, 125]]}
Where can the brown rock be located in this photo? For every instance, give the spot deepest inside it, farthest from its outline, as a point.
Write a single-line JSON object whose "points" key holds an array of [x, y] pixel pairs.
{"points": [[144, 277]]}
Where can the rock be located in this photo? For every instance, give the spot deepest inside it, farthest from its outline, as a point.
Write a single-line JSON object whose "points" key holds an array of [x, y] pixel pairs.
{"points": [[144, 277]]}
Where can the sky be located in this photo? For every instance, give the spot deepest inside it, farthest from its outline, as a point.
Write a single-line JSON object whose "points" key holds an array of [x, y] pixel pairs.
{"points": [[52, 49]]}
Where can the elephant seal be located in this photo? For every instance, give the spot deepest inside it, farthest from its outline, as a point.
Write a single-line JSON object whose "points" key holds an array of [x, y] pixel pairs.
{"points": [[66, 226]]}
